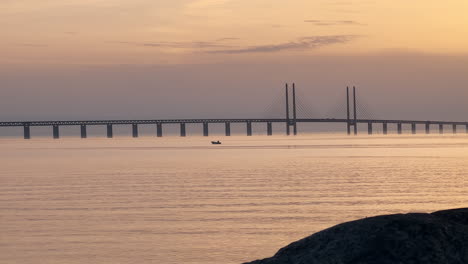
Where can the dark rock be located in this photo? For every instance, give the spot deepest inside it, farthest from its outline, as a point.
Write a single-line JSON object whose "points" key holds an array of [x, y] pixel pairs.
{"points": [[440, 237]]}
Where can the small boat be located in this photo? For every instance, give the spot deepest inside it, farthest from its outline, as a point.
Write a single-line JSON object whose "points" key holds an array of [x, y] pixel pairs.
{"points": [[216, 142]]}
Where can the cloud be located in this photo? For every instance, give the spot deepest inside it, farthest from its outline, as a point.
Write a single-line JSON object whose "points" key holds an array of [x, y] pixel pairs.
{"points": [[31, 45], [311, 42], [333, 22], [182, 45], [226, 39], [218, 47]]}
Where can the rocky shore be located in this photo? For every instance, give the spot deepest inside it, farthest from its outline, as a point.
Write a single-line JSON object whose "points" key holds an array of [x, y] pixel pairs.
{"points": [[437, 238]]}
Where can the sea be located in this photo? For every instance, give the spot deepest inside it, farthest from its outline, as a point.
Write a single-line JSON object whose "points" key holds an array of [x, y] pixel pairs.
{"points": [[175, 200]]}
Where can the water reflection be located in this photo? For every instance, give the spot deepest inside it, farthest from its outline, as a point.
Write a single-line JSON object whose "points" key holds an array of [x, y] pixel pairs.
{"points": [[175, 200]]}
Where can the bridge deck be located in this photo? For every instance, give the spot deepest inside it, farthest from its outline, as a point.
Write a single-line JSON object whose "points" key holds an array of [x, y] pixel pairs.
{"points": [[252, 120]]}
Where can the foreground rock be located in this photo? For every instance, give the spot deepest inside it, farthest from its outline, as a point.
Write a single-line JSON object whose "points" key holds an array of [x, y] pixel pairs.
{"points": [[440, 237]]}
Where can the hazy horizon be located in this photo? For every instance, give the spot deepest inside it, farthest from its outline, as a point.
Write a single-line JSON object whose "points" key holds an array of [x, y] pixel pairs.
{"points": [[402, 86]]}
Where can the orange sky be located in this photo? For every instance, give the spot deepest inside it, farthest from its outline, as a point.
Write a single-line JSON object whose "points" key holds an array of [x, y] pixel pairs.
{"points": [[200, 31], [113, 59]]}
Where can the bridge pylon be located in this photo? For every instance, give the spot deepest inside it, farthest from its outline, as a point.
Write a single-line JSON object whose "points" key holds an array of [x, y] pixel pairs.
{"points": [[351, 122], [291, 121]]}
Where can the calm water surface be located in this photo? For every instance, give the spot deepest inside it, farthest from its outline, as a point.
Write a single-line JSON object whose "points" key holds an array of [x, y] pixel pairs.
{"points": [[182, 200]]}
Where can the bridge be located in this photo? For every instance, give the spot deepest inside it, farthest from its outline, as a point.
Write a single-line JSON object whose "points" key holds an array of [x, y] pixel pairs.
{"points": [[290, 120]]}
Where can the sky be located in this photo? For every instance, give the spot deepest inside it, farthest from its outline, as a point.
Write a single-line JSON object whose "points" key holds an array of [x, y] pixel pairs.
{"points": [[92, 59]]}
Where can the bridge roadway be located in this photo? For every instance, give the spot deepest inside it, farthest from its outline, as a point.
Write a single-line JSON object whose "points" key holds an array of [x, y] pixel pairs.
{"points": [[252, 120], [290, 122]]}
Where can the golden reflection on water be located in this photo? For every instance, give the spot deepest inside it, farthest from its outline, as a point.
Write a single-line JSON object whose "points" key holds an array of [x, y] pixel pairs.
{"points": [[183, 200]]}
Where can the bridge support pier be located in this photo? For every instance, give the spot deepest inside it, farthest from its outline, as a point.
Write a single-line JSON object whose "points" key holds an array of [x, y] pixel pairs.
{"points": [[159, 131], [413, 128], [369, 128], [27, 132], [83, 131], [135, 130], [55, 131], [227, 129], [428, 128], [249, 128], [441, 128], [454, 128], [183, 131], [110, 131], [205, 129], [385, 128], [400, 128], [270, 129]]}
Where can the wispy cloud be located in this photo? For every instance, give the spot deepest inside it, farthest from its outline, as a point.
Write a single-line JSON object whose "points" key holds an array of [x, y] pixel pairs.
{"points": [[227, 39], [311, 42], [333, 22], [182, 45], [220, 47], [32, 45]]}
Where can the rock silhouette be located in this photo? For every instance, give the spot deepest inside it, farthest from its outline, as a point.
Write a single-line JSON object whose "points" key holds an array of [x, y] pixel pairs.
{"points": [[436, 238]]}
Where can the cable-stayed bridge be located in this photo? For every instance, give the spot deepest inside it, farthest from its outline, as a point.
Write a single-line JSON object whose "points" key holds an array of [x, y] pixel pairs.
{"points": [[288, 109]]}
